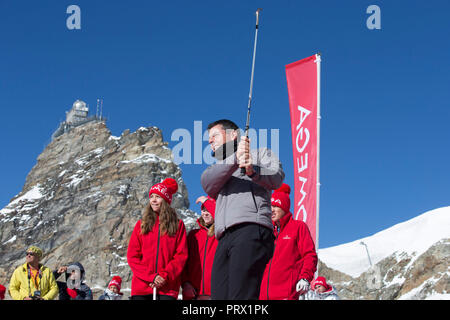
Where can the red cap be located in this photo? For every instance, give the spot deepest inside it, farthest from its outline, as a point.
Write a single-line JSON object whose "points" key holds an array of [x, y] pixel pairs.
{"points": [[210, 206], [321, 281], [165, 189], [280, 198], [116, 281]]}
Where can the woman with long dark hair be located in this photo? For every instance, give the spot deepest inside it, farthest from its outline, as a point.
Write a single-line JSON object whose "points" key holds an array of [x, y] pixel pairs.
{"points": [[157, 251]]}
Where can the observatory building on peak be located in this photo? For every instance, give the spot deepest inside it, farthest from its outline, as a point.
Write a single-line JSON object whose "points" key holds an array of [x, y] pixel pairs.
{"points": [[78, 115]]}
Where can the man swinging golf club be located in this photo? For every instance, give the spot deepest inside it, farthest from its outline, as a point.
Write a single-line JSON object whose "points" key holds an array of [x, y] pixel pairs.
{"points": [[243, 212]]}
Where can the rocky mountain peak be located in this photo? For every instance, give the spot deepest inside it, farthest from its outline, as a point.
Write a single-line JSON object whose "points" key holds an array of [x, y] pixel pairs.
{"points": [[83, 197]]}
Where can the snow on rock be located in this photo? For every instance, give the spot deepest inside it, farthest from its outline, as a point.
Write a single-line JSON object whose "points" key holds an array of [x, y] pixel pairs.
{"points": [[10, 240], [29, 198], [147, 158]]}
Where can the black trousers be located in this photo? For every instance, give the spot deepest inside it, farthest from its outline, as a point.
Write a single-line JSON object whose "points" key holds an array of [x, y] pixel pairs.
{"points": [[150, 297], [241, 257]]}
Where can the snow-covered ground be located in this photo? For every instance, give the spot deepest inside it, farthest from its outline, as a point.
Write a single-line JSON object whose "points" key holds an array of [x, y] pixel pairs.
{"points": [[413, 236]]}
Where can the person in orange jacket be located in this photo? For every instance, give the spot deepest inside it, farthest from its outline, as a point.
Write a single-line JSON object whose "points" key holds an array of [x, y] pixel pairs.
{"points": [[202, 246], [294, 261], [157, 251]]}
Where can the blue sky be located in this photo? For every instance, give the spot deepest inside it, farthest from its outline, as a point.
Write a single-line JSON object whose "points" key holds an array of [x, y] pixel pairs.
{"points": [[385, 93]]}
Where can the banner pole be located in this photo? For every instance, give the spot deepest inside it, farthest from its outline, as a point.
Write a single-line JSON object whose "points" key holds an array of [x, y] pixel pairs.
{"points": [[318, 61]]}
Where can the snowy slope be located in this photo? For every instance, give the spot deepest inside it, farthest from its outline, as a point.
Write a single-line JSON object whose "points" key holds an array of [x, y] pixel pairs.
{"points": [[413, 236]]}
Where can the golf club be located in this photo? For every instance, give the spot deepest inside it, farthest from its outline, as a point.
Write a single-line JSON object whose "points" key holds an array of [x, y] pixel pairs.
{"points": [[247, 125]]}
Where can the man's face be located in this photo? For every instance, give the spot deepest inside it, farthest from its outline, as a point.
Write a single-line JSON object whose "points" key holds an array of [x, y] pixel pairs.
{"points": [[277, 213], [31, 258], [218, 136], [73, 275]]}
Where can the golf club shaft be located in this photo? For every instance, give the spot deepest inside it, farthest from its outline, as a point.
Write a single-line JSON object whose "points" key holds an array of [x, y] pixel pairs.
{"points": [[247, 124]]}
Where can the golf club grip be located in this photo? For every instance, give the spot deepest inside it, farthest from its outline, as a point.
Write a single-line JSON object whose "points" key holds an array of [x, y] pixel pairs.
{"points": [[243, 170]]}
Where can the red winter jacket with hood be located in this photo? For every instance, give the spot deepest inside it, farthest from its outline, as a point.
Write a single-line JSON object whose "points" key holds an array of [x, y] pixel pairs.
{"points": [[157, 254], [202, 249], [294, 258]]}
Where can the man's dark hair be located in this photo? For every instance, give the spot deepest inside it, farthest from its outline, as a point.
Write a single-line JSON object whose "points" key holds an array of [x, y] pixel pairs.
{"points": [[226, 124]]}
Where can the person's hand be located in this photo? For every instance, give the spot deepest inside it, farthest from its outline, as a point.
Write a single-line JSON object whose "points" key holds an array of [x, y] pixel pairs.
{"points": [[62, 269], [302, 286], [201, 199], [27, 298], [158, 282], [189, 291], [244, 156]]}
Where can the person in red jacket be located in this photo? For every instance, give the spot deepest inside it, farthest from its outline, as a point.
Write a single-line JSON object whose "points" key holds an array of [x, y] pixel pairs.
{"points": [[202, 246], [294, 261], [2, 292], [157, 251]]}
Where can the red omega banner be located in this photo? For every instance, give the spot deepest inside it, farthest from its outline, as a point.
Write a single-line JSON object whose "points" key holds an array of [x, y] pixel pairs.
{"points": [[303, 82]]}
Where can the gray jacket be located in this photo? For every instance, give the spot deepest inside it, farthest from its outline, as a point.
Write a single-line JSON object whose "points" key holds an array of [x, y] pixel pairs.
{"points": [[241, 199]]}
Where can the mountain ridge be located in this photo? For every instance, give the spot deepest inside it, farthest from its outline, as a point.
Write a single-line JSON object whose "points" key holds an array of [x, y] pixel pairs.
{"points": [[410, 260]]}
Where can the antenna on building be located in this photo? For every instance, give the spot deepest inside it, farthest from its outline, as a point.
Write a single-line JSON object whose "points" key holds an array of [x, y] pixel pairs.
{"points": [[96, 115], [101, 109]]}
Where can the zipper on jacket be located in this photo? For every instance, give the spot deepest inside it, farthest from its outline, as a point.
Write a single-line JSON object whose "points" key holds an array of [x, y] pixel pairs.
{"points": [[157, 251], [29, 279], [204, 260], [270, 264], [253, 196]]}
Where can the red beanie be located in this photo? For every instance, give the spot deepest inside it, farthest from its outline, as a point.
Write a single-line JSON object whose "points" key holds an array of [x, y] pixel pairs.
{"points": [[210, 206], [280, 198], [116, 281], [165, 189], [322, 281]]}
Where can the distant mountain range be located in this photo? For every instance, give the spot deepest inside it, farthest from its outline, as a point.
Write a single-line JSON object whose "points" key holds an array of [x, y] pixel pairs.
{"points": [[410, 260]]}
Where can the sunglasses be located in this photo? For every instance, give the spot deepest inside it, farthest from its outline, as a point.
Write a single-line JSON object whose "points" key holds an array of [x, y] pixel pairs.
{"points": [[30, 254]]}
